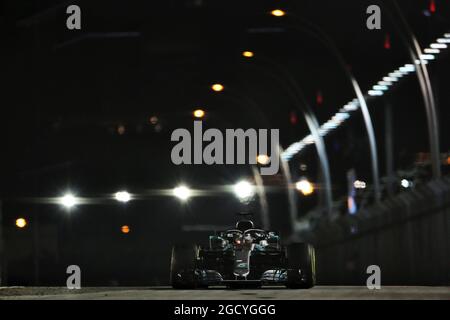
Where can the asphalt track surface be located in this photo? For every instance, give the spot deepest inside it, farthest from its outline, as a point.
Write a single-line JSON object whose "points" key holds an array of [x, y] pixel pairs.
{"points": [[268, 293]]}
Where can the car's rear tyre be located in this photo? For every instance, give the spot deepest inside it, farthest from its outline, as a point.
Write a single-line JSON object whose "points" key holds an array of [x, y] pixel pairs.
{"points": [[183, 267], [301, 266]]}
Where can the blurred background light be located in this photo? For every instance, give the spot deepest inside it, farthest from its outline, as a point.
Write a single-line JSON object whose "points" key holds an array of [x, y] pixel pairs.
{"points": [[406, 183], [244, 190], [125, 229], [122, 196], [182, 192], [21, 223], [263, 159], [199, 113], [358, 184], [217, 87], [68, 200], [277, 13], [305, 187]]}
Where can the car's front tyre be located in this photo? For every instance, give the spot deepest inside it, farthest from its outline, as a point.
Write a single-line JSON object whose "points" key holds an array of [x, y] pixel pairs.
{"points": [[301, 266], [183, 267]]}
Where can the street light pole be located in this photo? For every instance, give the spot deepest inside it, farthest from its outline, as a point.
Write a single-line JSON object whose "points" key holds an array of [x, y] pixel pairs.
{"points": [[415, 52], [316, 32], [389, 148]]}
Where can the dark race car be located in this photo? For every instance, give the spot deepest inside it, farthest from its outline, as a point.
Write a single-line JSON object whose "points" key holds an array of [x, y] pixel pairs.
{"points": [[243, 257]]}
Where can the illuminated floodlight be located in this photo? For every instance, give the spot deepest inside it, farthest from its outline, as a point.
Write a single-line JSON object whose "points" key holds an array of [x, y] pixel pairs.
{"points": [[395, 74], [277, 13], [406, 183], [390, 79], [122, 196], [375, 93], [380, 87], [438, 46], [323, 131], [305, 187], [244, 190], [21, 223], [217, 87], [263, 159], [427, 56], [350, 107], [358, 184], [68, 200], [297, 146], [292, 150], [432, 51], [309, 139], [199, 113], [421, 61], [182, 192], [330, 125], [336, 122], [384, 83], [443, 40], [248, 54], [400, 73], [408, 68], [340, 117]]}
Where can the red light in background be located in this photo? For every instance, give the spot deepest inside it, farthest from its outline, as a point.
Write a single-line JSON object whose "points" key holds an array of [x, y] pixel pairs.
{"points": [[432, 6], [387, 41], [293, 117], [319, 98]]}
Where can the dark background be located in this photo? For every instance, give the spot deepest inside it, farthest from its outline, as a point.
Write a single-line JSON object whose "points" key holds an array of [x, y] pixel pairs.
{"points": [[65, 94]]}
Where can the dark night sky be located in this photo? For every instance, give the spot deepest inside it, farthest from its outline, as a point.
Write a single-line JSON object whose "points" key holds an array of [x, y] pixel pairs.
{"points": [[65, 93]]}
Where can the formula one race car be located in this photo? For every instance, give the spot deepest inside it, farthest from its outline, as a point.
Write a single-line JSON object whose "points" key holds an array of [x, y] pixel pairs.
{"points": [[243, 257]]}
